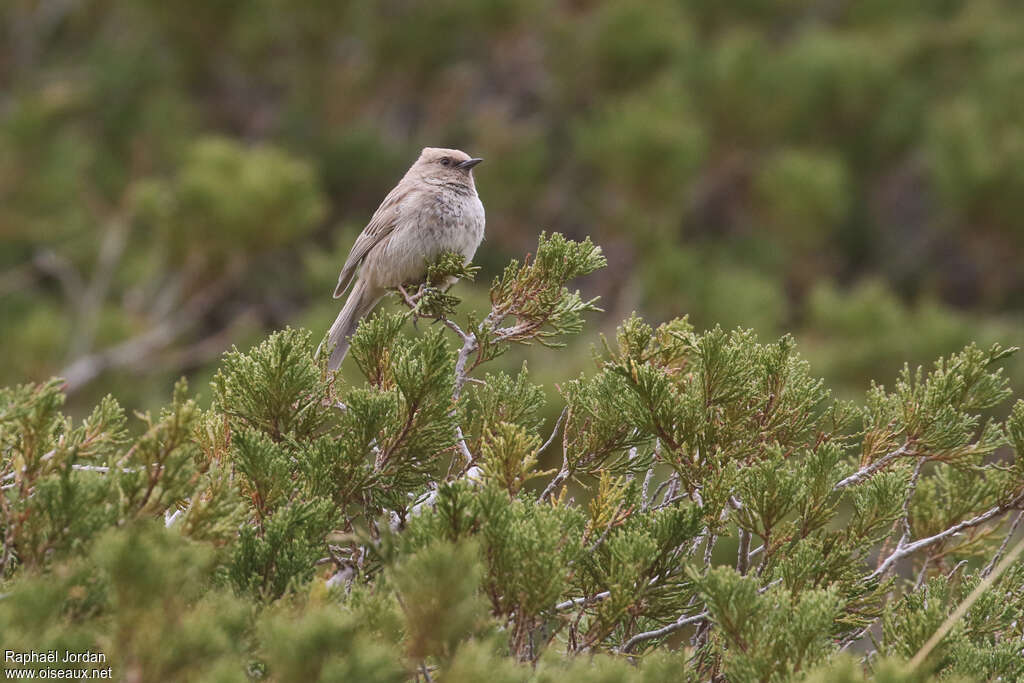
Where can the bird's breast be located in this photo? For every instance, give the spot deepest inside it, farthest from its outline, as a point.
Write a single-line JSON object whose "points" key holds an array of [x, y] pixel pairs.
{"points": [[431, 224], [452, 222]]}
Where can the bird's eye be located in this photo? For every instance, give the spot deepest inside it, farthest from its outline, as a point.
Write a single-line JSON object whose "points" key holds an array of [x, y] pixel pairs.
{"points": [[445, 161]]}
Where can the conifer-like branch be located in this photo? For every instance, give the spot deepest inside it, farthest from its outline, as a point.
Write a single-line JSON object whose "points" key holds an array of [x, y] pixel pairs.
{"points": [[1002, 546], [865, 472], [911, 489], [554, 432], [559, 478], [679, 623], [904, 549]]}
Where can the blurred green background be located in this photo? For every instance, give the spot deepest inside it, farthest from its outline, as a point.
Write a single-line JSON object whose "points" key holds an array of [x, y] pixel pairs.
{"points": [[179, 176]]}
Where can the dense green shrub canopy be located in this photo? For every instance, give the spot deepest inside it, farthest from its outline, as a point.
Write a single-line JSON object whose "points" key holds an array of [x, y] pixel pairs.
{"points": [[717, 513]]}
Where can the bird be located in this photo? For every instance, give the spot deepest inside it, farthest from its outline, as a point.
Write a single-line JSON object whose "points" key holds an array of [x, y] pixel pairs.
{"points": [[434, 208]]}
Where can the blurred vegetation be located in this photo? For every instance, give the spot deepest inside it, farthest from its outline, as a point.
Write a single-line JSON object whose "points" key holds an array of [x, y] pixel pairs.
{"points": [[176, 177]]}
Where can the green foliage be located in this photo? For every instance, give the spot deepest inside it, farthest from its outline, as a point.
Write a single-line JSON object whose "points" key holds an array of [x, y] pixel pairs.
{"points": [[504, 400], [270, 199], [280, 553], [283, 363], [56, 503], [534, 295], [320, 642], [508, 456], [982, 646], [716, 511], [142, 597], [768, 635], [439, 590], [807, 217]]}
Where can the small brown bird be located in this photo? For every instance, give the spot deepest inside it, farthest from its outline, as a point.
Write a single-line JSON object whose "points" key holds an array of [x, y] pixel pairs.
{"points": [[433, 209]]}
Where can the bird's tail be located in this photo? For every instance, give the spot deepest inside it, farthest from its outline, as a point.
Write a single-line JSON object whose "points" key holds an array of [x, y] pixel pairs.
{"points": [[360, 301]]}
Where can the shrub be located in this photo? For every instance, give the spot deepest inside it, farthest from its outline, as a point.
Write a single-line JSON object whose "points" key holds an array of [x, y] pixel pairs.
{"points": [[714, 512]]}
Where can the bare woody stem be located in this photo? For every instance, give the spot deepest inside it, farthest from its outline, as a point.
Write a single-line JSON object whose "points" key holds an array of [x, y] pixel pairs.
{"points": [[566, 469], [904, 549], [679, 623], [469, 345], [1002, 547], [911, 488], [558, 480], [864, 472]]}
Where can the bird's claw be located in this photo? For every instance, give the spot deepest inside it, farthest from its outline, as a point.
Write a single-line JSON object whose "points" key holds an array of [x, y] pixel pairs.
{"points": [[413, 301]]}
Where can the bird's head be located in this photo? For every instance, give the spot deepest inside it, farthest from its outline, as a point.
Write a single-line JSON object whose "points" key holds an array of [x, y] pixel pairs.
{"points": [[446, 165]]}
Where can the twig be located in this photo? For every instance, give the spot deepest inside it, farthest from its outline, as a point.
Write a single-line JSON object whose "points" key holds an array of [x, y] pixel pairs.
{"points": [[923, 573], [171, 517], [604, 535], [712, 540], [670, 501], [959, 565], [1002, 547], [645, 500], [866, 471], [563, 472], [463, 448], [911, 488], [96, 468], [679, 623], [603, 595], [659, 489], [851, 639], [469, 345], [554, 432], [673, 489], [575, 602], [902, 550], [562, 475], [743, 553], [79, 468], [43, 458]]}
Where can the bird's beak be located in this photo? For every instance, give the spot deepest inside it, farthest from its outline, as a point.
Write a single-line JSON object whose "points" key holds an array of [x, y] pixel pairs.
{"points": [[468, 163]]}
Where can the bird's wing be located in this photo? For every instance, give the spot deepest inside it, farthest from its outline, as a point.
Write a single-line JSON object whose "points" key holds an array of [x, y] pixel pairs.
{"points": [[382, 224]]}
